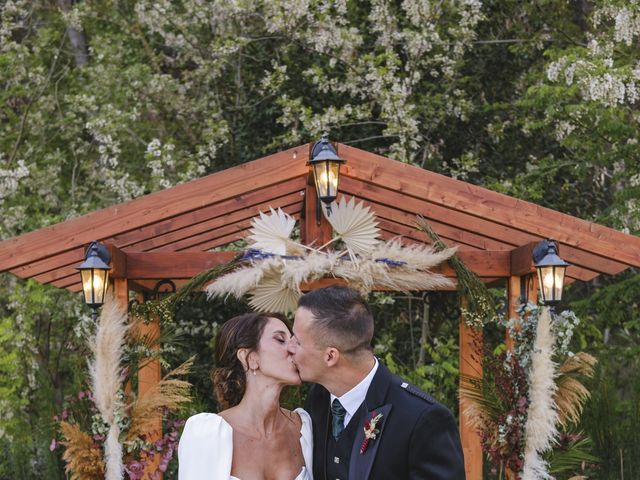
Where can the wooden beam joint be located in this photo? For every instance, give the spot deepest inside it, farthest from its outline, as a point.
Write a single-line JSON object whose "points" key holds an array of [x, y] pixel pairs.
{"points": [[118, 261], [522, 260]]}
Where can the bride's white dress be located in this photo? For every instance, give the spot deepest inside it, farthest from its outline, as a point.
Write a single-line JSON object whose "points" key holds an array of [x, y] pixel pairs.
{"points": [[206, 448]]}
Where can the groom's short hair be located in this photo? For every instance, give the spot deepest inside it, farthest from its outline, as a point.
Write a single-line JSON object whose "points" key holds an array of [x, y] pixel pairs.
{"points": [[342, 318]]}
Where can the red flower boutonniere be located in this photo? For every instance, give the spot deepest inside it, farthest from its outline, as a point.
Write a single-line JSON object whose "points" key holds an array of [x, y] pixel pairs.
{"points": [[370, 431]]}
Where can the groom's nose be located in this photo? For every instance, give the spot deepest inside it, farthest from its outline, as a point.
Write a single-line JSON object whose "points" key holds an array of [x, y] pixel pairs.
{"points": [[292, 346]]}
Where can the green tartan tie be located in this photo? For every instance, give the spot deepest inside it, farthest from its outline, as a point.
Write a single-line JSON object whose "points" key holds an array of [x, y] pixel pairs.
{"points": [[337, 423]]}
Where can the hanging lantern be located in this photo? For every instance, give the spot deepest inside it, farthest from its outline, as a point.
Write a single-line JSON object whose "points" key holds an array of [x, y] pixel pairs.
{"points": [[326, 170], [95, 274], [551, 270]]}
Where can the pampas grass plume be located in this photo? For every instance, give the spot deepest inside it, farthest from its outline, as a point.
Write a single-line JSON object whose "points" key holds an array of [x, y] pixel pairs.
{"points": [[540, 429], [105, 371], [107, 347], [83, 460]]}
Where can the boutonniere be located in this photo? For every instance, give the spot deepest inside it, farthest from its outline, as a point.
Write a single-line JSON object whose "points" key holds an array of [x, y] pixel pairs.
{"points": [[370, 431]]}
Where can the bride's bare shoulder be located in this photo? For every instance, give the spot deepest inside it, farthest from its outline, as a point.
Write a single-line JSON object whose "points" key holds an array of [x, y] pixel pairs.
{"points": [[229, 415], [293, 416]]}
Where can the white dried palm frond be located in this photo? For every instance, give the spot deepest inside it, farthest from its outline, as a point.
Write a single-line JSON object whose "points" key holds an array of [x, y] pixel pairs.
{"points": [[418, 256], [313, 266], [542, 417], [356, 225], [271, 295], [271, 233], [239, 282]]}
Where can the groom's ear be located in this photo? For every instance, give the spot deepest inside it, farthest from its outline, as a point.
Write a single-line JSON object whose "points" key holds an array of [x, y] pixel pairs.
{"points": [[331, 356]]}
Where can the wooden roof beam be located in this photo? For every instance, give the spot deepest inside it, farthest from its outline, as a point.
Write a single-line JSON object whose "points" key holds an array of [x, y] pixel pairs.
{"points": [[471, 228], [483, 203], [181, 265], [153, 208], [223, 212]]}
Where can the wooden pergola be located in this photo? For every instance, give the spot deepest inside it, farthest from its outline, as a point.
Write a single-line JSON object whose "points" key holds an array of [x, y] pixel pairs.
{"points": [[179, 232]]}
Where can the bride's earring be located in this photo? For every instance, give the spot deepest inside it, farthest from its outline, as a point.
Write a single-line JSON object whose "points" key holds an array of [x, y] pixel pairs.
{"points": [[254, 372]]}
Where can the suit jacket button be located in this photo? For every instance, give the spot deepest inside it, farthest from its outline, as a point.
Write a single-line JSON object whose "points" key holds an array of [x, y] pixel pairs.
{"points": [[336, 460]]}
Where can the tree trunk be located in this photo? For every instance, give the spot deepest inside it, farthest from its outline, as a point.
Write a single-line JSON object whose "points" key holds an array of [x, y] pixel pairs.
{"points": [[76, 38]]}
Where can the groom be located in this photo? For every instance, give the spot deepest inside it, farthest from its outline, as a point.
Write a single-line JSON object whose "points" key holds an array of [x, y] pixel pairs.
{"points": [[367, 422]]}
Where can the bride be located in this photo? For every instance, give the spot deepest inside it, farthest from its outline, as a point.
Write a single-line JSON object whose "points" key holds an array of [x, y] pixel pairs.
{"points": [[253, 437]]}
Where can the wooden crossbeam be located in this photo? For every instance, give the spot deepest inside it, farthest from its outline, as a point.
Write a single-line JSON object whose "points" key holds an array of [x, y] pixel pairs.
{"points": [[184, 265]]}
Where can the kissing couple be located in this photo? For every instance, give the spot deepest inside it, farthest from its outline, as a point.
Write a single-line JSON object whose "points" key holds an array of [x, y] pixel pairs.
{"points": [[359, 422]]}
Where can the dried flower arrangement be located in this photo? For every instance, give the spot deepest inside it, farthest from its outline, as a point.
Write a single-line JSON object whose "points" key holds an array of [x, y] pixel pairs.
{"points": [[105, 432], [525, 403], [273, 269]]}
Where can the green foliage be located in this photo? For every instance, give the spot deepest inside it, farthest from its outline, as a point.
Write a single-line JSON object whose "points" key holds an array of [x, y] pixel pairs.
{"points": [[417, 338], [612, 420], [571, 455], [42, 354]]}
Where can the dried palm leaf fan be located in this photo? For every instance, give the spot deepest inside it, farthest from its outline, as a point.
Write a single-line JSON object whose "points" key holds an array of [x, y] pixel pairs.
{"points": [[271, 233], [355, 225]]}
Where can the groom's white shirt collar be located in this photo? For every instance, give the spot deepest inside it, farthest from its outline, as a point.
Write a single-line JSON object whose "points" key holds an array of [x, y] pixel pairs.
{"points": [[352, 400]]}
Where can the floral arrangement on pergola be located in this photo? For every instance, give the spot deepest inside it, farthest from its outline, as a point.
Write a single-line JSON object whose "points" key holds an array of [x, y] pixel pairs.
{"points": [[275, 266], [272, 271]]}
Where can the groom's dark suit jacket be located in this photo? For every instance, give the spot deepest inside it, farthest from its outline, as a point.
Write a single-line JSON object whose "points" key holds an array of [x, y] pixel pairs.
{"points": [[418, 437]]}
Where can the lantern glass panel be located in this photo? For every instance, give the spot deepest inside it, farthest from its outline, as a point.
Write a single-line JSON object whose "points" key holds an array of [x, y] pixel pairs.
{"points": [[326, 175], [551, 280], [94, 283]]}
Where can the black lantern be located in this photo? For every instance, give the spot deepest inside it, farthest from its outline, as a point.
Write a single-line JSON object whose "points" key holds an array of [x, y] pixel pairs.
{"points": [[551, 269], [95, 275], [326, 170]]}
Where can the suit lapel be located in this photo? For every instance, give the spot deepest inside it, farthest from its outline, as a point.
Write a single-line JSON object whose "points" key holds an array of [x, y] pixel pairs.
{"points": [[361, 463]]}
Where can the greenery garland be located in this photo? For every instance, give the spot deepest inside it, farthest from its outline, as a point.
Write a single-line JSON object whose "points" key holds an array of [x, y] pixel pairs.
{"points": [[164, 309], [481, 307]]}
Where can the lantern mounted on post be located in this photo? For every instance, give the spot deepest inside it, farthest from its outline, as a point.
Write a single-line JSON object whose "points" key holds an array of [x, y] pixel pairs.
{"points": [[95, 275], [551, 269], [326, 171]]}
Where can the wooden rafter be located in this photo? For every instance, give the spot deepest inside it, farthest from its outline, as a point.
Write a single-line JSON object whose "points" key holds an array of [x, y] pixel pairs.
{"points": [[502, 210], [152, 208]]}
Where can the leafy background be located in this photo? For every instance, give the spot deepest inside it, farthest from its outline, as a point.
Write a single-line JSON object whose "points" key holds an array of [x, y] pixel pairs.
{"points": [[104, 101]]}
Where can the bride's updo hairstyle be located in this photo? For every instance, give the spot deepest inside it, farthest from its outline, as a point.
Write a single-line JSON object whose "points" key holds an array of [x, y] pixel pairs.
{"points": [[229, 377]]}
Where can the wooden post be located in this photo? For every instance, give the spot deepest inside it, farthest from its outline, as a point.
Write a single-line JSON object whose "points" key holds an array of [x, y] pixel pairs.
{"points": [[532, 289], [470, 365], [312, 231], [513, 302], [121, 293], [149, 374]]}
